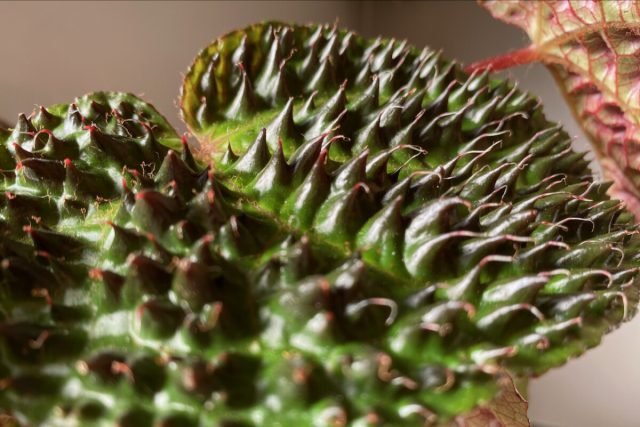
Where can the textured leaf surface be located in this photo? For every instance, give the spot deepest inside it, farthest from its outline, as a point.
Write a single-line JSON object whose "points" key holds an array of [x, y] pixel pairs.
{"points": [[442, 184], [592, 49], [63, 171], [377, 255]]}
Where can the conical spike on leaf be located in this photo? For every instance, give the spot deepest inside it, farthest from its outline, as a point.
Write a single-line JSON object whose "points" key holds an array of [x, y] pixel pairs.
{"points": [[244, 102], [303, 204], [283, 129], [380, 239], [272, 182], [255, 158]]}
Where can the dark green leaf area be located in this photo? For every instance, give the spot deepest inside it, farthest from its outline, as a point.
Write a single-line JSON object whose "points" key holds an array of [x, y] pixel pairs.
{"points": [[374, 254]]}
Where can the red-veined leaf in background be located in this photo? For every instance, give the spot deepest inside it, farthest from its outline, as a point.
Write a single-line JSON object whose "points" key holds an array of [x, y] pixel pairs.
{"points": [[592, 48], [508, 409]]}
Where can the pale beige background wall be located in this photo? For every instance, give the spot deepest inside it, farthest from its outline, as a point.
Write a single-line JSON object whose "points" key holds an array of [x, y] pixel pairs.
{"points": [[52, 52]]}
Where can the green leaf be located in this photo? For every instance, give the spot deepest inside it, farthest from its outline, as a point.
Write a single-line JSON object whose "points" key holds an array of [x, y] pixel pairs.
{"points": [[66, 170], [376, 253], [439, 183]]}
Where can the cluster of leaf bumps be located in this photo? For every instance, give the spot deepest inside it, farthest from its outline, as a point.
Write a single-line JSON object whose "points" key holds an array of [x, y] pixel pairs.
{"points": [[368, 236]]}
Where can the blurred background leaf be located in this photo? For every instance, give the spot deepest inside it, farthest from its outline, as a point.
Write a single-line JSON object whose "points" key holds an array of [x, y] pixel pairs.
{"points": [[592, 49]]}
